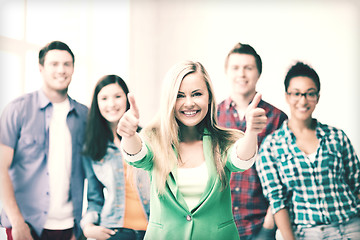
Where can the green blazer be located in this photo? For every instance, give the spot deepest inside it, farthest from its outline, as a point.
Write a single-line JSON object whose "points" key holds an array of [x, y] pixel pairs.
{"points": [[170, 218]]}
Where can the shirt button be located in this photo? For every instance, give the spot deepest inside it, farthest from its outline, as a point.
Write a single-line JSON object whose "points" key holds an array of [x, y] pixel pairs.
{"points": [[188, 218], [145, 202], [236, 208], [237, 189]]}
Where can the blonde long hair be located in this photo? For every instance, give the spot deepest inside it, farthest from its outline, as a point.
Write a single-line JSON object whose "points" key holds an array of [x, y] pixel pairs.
{"points": [[163, 133]]}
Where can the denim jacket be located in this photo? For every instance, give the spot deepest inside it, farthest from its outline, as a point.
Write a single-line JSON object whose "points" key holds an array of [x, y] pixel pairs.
{"points": [[106, 189]]}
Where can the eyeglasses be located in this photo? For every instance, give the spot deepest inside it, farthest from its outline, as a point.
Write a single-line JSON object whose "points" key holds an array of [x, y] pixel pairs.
{"points": [[310, 96]]}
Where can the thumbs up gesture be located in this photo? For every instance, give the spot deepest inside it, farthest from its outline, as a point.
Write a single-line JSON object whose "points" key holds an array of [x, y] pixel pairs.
{"points": [[255, 117], [129, 122]]}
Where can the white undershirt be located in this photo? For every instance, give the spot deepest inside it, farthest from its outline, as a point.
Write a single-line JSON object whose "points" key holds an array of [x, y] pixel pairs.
{"points": [[60, 214], [192, 183], [312, 156]]}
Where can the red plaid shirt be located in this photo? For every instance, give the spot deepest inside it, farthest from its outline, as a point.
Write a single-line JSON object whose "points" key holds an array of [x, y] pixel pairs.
{"points": [[249, 204]]}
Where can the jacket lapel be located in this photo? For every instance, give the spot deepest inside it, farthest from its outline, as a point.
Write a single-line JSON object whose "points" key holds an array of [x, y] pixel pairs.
{"points": [[171, 181], [210, 167]]}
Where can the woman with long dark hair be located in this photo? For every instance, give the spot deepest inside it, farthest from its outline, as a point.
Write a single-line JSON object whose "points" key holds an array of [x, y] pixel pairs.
{"points": [[118, 194]]}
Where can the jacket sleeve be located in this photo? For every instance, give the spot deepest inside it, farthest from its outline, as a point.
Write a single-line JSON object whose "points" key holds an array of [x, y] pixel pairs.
{"points": [[273, 188], [236, 164], [351, 163], [95, 195], [142, 159]]}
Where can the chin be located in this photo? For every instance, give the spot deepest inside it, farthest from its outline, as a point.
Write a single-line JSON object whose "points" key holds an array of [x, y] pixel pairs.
{"points": [[190, 124], [112, 119]]}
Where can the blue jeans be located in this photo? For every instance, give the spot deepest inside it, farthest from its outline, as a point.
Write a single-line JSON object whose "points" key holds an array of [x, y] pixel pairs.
{"points": [[127, 234], [265, 234], [345, 231]]}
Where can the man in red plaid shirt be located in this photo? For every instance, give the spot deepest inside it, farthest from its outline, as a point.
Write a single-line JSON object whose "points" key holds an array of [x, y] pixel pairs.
{"points": [[251, 211]]}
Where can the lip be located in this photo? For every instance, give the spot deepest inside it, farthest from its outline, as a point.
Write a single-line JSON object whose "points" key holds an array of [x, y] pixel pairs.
{"points": [[302, 109], [113, 111], [241, 81], [190, 113], [61, 79]]}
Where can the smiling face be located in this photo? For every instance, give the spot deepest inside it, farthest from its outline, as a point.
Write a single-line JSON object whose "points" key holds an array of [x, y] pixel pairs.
{"points": [[57, 70], [302, 108], [242, 73], [112, 102], [192, 101]]}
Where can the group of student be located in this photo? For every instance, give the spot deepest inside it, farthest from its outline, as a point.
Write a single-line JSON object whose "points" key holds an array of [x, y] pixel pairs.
{"points": [[240, 169]]}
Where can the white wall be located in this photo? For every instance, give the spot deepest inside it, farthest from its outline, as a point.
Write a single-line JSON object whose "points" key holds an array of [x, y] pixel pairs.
{"points": [[140, 39], [324, 34], [97, 31]]}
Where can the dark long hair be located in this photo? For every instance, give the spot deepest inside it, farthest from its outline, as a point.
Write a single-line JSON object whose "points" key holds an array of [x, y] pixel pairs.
{"points": [[98, 132]]}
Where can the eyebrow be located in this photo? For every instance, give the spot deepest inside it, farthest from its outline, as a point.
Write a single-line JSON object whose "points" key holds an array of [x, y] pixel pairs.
{"points": [[56, 61], [306, 90], [243, 65], [191, 92]]}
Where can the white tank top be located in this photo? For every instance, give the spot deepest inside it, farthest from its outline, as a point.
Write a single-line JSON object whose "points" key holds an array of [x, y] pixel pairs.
{"points": [[192, 183]]}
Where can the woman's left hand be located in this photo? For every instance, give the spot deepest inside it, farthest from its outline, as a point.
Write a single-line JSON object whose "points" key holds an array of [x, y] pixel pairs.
{"points": [[97, 232]]}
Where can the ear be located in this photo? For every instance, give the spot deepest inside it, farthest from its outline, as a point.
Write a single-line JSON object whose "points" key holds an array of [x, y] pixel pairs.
{"points": [[287, 98], [41, 67]]}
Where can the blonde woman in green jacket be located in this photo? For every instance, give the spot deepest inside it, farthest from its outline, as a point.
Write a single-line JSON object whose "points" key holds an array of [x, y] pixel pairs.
{"points": [[189, 157]]}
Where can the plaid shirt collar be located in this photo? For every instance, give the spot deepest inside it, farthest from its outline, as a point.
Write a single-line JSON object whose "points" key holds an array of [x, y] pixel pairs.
{"points": [[290, 136], [229, 103]]}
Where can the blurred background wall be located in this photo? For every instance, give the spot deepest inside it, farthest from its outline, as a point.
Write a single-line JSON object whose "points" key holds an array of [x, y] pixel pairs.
{"points": [[140, 40]]}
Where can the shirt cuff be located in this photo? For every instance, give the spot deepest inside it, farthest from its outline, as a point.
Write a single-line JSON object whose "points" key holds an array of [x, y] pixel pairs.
{"points": [[137, 156], [89, 217], [239, 163]]}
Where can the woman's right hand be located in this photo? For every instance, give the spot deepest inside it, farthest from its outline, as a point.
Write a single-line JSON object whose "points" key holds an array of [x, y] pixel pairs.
{"points": [[97, 232], [129, 122]]}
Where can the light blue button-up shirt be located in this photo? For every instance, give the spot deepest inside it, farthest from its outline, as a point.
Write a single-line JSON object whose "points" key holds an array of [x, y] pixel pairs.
{"points": [[24, 126]]}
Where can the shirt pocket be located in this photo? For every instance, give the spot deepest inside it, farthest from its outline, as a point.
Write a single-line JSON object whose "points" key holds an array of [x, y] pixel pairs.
{"points": [[225, 224], [156, 225], [289, 172], [331, 161], [30, 148]]}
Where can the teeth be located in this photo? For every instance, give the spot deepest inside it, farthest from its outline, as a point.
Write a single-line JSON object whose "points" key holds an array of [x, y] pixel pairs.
{"points": [[241, 81], [189, 113]]}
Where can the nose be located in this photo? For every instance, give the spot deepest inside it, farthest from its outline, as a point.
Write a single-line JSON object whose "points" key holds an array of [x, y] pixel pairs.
{"points": [[303, 99], [241, 71], [189, 102], [111, 102], [61, 68]]}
